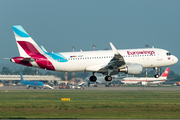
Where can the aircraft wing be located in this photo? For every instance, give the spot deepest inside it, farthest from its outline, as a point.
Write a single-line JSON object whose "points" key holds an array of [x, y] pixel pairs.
{"points": [[111, 68], [116, 61]]}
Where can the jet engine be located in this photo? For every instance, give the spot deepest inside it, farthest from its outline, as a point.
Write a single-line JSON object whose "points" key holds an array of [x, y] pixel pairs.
{"points": [[27, 86], [93, 78], [133, 69]]}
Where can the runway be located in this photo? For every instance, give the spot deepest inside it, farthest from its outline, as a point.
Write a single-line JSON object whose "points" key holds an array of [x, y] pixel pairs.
{"points": [[94, 88], [133, 88]]}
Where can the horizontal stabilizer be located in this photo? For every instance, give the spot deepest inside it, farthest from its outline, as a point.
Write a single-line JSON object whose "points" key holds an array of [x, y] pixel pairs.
{"points": [[26, 59]]}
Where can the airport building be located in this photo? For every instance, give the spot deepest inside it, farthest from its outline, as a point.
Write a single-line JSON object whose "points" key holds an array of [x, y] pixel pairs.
{"points": [[10, 78]]}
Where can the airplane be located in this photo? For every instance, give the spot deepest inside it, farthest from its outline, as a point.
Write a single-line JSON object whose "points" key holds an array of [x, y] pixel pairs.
{"points": [[147, 80], [33, 83], [107, 62]]}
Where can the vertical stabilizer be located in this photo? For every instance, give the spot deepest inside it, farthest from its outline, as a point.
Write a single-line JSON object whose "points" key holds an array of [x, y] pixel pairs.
{"points": [[21, 76], [26, 45], [165, 73]]}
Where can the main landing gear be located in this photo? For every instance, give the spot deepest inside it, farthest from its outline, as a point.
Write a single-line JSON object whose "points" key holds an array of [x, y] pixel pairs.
{"points": [[108, 78], [93, 78]]}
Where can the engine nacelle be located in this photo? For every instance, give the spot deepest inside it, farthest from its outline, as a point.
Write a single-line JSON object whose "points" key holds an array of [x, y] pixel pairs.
{"points": [[93, 78], [133, 69], [27, 86]]}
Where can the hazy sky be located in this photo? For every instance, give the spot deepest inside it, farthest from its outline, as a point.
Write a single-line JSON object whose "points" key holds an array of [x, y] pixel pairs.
{"points": [[60, 24]]}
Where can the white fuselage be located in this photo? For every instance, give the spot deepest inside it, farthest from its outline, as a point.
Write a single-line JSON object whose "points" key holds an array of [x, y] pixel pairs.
{"points": [[137, 80], [93, 60]]}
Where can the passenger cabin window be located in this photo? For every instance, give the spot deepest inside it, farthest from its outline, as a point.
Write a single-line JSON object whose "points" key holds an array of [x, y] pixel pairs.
{"points": [[168, 54]]}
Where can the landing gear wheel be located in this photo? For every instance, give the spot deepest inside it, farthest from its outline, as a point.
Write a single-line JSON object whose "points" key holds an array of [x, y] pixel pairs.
{"points": [[108, 78], [93, 78], [156, 75]]}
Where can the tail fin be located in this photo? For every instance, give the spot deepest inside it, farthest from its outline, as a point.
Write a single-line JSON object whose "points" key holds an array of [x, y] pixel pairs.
{"points": [[165, 73], [26, 45], [21, 76]]}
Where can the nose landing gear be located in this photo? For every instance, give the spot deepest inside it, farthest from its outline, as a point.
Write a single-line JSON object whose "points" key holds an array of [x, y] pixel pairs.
{"points": [[155, 71]]}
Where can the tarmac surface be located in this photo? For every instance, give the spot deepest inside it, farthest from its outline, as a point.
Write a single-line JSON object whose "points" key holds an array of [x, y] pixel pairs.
{"points": [[94, 88]]}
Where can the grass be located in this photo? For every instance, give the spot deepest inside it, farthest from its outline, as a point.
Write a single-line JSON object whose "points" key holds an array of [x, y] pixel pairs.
{"points": [[90, 104]]}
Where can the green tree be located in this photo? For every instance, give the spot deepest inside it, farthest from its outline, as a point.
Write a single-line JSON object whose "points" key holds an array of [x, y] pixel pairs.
{"points": [[6, 70], [28, 71]]}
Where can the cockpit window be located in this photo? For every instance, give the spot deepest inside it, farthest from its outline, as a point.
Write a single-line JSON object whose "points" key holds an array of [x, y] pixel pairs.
{"points": [[168, 54]]}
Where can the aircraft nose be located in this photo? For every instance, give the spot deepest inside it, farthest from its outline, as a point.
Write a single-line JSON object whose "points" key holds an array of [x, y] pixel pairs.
{"points": [[175, 59]]}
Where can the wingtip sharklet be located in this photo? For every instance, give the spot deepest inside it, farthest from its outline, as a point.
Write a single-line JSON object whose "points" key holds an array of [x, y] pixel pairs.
{"points": [[114, 49]]}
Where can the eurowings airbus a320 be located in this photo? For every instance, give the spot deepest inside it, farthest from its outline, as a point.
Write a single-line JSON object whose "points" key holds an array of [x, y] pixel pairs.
{"points": [[107, 62]]}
